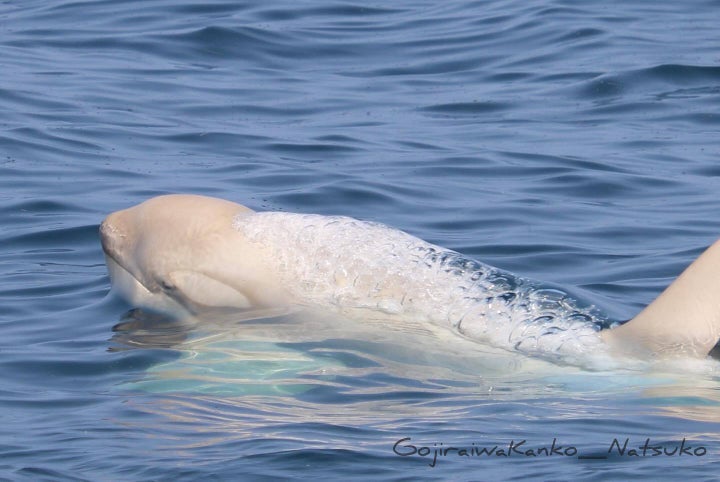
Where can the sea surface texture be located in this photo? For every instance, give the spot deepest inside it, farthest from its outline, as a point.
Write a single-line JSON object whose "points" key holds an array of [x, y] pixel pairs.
{"points": [[576, 144]]}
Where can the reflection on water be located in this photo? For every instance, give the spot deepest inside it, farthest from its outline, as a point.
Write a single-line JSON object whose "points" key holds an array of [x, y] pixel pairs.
{"points": [[142, 329], [305, 350], [314, 356]]}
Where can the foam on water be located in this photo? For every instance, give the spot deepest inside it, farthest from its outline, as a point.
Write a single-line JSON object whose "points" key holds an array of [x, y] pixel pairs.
{"points": [[346, 264]]}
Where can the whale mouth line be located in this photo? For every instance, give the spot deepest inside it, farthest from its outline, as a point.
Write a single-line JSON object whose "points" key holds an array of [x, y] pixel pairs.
{"points": [[120, 276]]}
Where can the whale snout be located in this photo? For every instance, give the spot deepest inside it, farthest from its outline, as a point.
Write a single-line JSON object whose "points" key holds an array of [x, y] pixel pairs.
{"points": [[113, 235], [108, 233]]}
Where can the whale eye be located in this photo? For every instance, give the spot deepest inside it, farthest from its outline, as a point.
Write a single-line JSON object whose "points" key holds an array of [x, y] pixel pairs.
{"points": [[166, 285]]}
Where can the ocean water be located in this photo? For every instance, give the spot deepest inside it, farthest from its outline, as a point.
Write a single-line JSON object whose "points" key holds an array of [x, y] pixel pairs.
{"points": [[574, 143]]}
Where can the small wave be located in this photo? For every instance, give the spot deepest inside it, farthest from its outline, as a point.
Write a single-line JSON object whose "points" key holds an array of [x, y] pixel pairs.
{"points": [[641, 80], [467, 108]]}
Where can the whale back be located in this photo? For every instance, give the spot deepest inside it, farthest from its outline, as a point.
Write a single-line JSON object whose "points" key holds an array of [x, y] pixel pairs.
{"points": [[365, 267]]}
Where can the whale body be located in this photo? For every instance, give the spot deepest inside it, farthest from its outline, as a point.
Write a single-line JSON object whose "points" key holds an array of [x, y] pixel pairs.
{"points": [[187, 254]]}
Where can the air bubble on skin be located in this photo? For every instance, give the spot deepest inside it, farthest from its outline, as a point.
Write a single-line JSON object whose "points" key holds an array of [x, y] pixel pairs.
{"points": [[390, 307], [341, 262]]}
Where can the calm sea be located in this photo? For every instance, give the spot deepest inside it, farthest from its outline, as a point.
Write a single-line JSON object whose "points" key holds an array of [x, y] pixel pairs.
{"points": [[576, 143]]}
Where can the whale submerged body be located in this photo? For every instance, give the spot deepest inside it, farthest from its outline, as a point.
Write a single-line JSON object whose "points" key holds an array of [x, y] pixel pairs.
{"points": [[191, 255]]}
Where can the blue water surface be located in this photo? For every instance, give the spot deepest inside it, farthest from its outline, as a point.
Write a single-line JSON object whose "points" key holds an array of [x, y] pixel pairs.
{"points": [[577, 143]]}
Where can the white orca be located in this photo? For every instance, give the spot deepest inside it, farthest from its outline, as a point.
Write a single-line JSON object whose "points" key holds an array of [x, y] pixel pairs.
{"points": [[194, 254]]}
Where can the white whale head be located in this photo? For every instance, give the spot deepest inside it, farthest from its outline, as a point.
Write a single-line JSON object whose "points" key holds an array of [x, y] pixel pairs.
{"points": [[180, 253]]}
